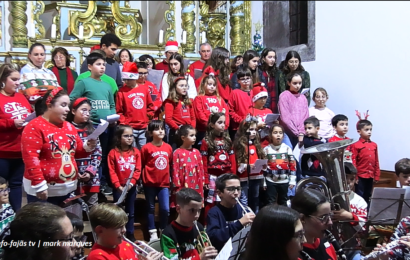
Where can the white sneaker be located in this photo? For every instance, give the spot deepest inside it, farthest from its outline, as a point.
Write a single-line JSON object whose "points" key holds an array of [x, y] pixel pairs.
{"points": [[153, 234]]}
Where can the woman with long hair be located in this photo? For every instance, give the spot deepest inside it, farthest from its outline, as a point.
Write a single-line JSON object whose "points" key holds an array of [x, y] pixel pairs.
{"points": [[123, 56], [276, 234], [219, 61], [271, 74], [293, 63], [14, 109]]}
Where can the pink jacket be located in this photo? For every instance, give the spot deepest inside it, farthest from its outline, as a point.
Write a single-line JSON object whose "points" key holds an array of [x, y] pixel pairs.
{"points": [[293, 109]]}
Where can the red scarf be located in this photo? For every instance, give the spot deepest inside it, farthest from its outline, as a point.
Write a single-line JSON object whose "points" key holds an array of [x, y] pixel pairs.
{"points": [[70, 79]]}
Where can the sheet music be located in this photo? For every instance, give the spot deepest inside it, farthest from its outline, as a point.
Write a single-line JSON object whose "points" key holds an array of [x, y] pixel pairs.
{"points": [[99, 130], [239, 242], [270, 118], [29, 118], [304, 91], [197, 74], [258, 165], [155, 76], [113, 118], [385, 205], [225, 251]]}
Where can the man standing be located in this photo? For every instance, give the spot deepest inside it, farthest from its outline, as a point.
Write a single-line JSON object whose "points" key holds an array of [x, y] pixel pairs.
{"points": [[171, 47], [109, 43], [205, 51]]}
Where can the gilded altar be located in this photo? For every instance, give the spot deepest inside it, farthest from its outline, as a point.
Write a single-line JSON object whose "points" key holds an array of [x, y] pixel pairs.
{"points": [[136, 23]]}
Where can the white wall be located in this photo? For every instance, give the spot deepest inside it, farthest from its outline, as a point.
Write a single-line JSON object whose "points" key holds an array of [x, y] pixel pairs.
{"points": [[362, 60]]}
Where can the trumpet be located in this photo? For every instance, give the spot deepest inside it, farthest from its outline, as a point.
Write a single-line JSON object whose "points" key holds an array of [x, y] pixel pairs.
{"points": [[201, 239], [142, 249], [386, 249]]}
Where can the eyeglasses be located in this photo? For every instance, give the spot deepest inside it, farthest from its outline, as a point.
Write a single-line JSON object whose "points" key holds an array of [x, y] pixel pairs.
{"points": [[324, 219], [59, 57], [232, 189], [244, 79], [128, 136], [143, 73], [5, 191], [300, 234], [85, 112]]}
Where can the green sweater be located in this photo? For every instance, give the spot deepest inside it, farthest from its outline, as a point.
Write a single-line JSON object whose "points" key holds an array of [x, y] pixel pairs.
{"points": [[104, 78], [281, 80], [63, 77], [100, 95]]}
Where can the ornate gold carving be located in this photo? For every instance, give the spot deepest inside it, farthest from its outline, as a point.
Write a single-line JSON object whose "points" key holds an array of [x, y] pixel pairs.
{"points": [[48, 64], [127, 4], [18, 23], [124, 21], [37, 10], [84, 18], [188, 25], [216, 32], [248, 24], [170, 20], [237, 22], [19, 62]]}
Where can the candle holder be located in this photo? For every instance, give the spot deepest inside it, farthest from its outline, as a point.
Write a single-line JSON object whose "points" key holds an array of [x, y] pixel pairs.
{"points": [[160, 47], [32, 40], [183, 46], [53, 43], [81, 52]]}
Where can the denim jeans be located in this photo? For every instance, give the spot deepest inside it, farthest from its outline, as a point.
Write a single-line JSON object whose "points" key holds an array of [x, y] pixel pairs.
{"points": [[252, 201], [13, 170], [139, 138], [106, 140], [53, 200], [129, 207], [163, 199]]}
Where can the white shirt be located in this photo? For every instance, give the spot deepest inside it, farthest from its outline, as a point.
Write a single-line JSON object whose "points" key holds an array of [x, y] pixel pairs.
{"points": [[192, 93], [325, 116]]}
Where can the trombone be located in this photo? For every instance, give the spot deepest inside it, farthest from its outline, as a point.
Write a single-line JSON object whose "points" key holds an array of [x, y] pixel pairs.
{"points": [[142, 249]]}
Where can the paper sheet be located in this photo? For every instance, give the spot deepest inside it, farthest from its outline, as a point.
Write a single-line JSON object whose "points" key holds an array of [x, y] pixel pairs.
{"points": [[225, 251], [198, 73], [99, 130], [113, 118], [304, 91], [258, 165], [239, 242], [270, 118], [29, 118], [155, 76]]}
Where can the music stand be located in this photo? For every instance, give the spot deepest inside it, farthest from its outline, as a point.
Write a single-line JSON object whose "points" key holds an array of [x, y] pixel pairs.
{"points": [[155, 76], [388, 206], [237, 243]]}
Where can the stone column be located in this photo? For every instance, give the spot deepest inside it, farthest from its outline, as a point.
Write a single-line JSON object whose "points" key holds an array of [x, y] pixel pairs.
{"points": [[237, 22], [188, 25], [19, 21]]}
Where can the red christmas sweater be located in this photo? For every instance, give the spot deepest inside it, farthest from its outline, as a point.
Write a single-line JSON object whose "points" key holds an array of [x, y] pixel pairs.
{"points": [[261, 115], [252, 159], [199, 65], [203, 106], [122, 251], [220, 162], [11, 108], [156, 160], [177, 114], [239, 103], [162, 66], [48, 154], [224, 91], [134, 106], [188, 171], [119, 166]]}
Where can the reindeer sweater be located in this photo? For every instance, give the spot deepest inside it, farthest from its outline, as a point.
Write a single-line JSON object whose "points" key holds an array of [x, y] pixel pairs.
{"points": [[48, 154]]}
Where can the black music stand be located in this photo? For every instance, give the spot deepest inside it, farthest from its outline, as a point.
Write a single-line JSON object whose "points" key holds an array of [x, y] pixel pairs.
{"points": [[238, 243]]}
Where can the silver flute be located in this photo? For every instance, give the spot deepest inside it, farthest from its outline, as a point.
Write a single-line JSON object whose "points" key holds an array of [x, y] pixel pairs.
{"points": [[384, 250], [143, 249], [243, 208]]}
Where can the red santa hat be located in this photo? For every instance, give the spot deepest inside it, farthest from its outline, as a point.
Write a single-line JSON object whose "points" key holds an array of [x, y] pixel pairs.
{"points": [[171, 46], [129, 70], [259, 91], [210, 71]]}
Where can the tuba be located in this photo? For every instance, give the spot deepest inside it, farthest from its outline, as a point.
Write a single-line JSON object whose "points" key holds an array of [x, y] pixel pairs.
{"points": [[331, 156]]}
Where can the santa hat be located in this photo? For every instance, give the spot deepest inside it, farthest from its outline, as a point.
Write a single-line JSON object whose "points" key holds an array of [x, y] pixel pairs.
{"points": [[210, 71], [259, 91], [171, 46], [95, 47], [130, 70]]}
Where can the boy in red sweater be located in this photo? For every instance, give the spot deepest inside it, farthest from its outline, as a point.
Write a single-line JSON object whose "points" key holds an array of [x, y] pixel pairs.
{"points": [[240, 101], [260, 95], [156, 157], [142, 79], [134, 104], [366, 160], [108, 221]]}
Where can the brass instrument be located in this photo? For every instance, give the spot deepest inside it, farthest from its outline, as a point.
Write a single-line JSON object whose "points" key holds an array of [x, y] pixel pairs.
{"points": [[202, 243], [142, 249], [336, 189]]}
